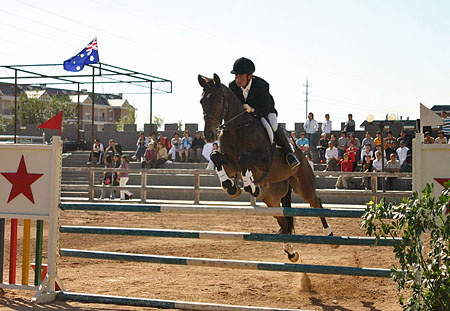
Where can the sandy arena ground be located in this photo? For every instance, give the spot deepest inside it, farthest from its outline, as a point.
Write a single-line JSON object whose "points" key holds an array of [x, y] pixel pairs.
{"points": [[202, 284]]}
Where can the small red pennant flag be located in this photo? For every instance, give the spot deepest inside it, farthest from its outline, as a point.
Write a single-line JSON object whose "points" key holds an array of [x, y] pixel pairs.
{"points": [[54, 123]]}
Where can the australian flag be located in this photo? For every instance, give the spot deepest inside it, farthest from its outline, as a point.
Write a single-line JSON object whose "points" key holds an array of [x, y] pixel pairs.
{"points": [[89, 55]]}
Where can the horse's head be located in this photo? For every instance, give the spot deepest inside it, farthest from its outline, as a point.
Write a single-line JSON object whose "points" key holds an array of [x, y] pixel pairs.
{"points": [[213, 104]]}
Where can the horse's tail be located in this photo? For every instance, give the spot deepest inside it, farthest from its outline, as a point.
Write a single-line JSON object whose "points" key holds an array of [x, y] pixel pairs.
{"points": [[286, 202]]}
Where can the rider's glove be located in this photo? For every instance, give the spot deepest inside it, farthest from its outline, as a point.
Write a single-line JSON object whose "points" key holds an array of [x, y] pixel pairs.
{"points": [[248, 108]]}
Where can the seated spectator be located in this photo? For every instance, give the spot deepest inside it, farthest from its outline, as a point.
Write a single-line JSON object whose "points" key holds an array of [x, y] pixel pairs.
{"points": [[378, 162], [161, 154], [302, 140], [390, 144], [107, 178], [428, 139], [197, 147], [406, 138], [149, 157], [378, 148], [322, 147], [367, 151], [393, 166], [294, 136], [115, 175], [402, 154], [351, 152], [377, 140], [366, 168], [342, 144], [441, 139], [335, 140], [311, 163], [346, 166], [175, 142], [123, 179], [142, 144], [98, 151], [186, 144], [165, 141], [211, 166], [306, 150], [113, 148], [153, 139], [331, 154], [368, 140]]}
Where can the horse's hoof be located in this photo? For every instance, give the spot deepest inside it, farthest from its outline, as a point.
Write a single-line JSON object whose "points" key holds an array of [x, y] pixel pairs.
{"points": [[227, 184], [234, 192], [256, 193], [248, 189], [293, 257]]}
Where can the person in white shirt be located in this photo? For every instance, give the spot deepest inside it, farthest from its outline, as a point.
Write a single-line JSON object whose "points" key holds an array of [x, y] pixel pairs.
{"points": [[331, 154], [98, 151], [326, 126], [402, 153], [311, 128], [377, 164], [366, 151]]}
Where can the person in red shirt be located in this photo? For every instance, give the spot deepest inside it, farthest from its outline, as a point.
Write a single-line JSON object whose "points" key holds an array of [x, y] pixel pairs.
{"points": [[346, 166], [352, 151]]}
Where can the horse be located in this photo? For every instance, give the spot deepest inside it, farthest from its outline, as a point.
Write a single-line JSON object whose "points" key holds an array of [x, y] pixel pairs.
{"points": [[246, 152]]}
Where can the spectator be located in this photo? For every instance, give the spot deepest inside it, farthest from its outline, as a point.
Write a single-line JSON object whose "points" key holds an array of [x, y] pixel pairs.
{"points": [[302, 140], [186, 144], [323, 145], [346, 166], [377, 163], [326, 125], [165, 141], [115, 175], [294, 136], [366, 168], [402, 154], [123, 179], [349, 126], [175, 142], [342, 143], [334, 139], [406, 138], [377, 140], [211, 166], [149, 157], [331, 154], [390, 144], [113, 148], [351, 152], [446, 126], [428, 139], [367, 151], [107, 178], [142, 144], [393, 166], [306, 150], [368, 140], [441, 139], [378, 148], [356, 143], [311, 163], [311, 128], [98, 151], [161, 154], [197, 147], [153, 139]]}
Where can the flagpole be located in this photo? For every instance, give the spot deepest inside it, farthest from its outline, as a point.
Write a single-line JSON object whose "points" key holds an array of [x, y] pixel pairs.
{"points": [[151, 108], [78, 115], [15, 106], [92, 117]]}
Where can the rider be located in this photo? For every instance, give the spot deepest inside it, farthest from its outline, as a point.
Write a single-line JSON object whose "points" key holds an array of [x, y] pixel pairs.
{"points": [[254, 93]]}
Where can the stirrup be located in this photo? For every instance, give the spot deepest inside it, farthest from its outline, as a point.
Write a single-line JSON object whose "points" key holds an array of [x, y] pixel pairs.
{"points": [[292, 160]]}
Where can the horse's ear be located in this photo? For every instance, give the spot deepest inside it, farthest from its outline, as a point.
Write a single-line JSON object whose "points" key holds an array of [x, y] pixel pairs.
{"points": [[217, 80], [202, 81]]}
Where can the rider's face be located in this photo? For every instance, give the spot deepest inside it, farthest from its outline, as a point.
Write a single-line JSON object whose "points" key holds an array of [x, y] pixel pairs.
{"points": [[242, 79]]}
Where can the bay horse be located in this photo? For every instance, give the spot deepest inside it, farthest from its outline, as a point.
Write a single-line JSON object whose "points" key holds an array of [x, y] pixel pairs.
{"points": [[246, 152]]}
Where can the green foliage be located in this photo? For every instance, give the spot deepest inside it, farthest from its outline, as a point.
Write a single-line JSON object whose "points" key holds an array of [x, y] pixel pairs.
{"points": [[158, 121], [37, 110], [180, 125], [129, 119], [3, 123], [425, 265]]}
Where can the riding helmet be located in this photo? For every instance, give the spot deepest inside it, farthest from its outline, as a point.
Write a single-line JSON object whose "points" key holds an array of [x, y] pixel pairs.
{"points": [[243, 65]]}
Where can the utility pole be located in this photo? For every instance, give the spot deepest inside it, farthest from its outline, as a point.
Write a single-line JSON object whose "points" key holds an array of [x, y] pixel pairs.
{"points": [[306, 85]]}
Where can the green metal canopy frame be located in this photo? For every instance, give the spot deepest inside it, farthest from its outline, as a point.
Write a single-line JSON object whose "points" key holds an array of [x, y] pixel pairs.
{"points": [[110, 75]]}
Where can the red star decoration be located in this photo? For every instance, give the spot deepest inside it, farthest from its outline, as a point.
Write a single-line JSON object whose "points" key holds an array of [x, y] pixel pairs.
{"points": [[21, 182], [442, 181]]}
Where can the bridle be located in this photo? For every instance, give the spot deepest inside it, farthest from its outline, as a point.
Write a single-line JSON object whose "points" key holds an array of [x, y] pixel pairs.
{"points": [[225, 125]]}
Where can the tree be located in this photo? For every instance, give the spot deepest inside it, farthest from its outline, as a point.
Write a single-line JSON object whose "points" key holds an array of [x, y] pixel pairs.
{"points": [[130, 118], [423, 224], [158, 121], [3, 123], [180, 125], [33, 110]]}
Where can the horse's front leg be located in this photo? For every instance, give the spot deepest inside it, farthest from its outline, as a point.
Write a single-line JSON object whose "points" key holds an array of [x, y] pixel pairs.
{"points": [[247, 176], [226, 182]]}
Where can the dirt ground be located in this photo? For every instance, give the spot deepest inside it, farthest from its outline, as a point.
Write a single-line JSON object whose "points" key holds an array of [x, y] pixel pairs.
{"points": [[215, 285]]}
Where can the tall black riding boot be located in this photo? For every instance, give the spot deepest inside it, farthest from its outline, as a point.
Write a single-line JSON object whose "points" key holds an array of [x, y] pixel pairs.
{"points": [[288, 148]]}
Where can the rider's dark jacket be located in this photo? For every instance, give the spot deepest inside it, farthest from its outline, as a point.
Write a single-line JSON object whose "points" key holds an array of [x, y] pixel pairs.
{"points": [[258, 97]]}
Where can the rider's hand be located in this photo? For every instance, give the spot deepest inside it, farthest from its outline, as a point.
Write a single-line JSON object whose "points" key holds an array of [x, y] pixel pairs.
{"points": [[248, 108]]}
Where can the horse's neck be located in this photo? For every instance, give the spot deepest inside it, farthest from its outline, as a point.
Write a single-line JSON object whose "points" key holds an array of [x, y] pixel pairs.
{"points": [[233, 103]]}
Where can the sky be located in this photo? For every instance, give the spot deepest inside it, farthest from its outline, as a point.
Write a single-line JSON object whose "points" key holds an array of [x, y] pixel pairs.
{"points": [[360, 57]]}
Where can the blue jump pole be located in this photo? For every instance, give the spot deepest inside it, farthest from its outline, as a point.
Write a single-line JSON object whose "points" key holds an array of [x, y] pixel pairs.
{"points": [[242, 236], [227, 263], [186, 209]]}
